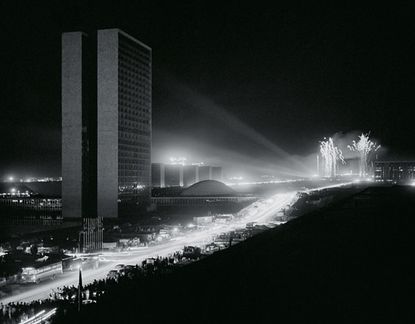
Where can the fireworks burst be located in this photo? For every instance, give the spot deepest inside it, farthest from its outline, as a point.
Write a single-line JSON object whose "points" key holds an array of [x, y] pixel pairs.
{"points": [[331, 155], [363, 146]]}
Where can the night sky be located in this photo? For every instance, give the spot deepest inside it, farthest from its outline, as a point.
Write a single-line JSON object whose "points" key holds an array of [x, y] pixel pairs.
{"points": [[232, 84]]}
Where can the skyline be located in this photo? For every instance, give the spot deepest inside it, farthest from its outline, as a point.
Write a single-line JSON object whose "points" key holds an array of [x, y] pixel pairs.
{"points": [[183, 162], [253, 77]]}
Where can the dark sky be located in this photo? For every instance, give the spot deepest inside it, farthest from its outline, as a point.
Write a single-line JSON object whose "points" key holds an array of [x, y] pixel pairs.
{"points": [[231, 82]]}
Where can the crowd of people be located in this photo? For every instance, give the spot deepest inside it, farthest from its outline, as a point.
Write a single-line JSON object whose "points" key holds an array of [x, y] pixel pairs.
{"points": [[93, 291], [66, 297]]}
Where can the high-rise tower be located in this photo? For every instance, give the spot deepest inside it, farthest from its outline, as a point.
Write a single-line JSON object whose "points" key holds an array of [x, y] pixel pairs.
{"points": [[106, 124], [124, 122]]}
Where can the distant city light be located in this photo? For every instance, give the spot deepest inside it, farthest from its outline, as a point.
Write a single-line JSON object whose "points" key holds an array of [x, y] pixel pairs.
{"points": [[178, 160], [263, 182], [31, 179], [198, 163], [236, 178], [13, 190]]}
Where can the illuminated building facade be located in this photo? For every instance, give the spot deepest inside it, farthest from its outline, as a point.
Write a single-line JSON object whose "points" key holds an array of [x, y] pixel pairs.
{"points": [[190, 175], [205, 172], [124, 123], [30, 210], [106, 124], [179, 175], [394, 171], [91, 236], [157, 175], [217, 173], [173, 175]]}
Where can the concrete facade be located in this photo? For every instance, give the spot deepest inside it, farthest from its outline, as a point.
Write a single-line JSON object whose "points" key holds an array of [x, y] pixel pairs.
{"points": [[124, 123], [205, 173], [217, 173], [173, 175], [106, 124], [107, 100], [157, 175], [190, 175], [72, 81]]}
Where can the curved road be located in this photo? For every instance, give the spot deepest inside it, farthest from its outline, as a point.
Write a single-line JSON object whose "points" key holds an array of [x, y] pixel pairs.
{"points": [[260, 212]]}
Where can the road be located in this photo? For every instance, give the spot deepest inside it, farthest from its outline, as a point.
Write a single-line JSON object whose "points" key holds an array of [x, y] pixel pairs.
{"points": [[260, 212]]}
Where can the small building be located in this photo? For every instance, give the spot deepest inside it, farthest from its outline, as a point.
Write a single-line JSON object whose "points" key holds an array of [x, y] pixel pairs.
{"points": [[394, 171], [203, 220], [223, 218], [191, 252]]}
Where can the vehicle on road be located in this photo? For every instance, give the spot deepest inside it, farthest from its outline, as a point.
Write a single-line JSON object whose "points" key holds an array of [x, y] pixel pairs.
{"points": [[41, 272], [89, 301], [71, 264], [89, 263]]}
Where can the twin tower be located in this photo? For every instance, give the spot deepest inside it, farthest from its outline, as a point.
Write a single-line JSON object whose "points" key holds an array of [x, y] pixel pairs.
{"points": [[106, 124]]}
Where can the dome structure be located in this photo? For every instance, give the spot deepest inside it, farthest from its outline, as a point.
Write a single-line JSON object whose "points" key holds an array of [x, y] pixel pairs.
{"points": [[208, 188]]}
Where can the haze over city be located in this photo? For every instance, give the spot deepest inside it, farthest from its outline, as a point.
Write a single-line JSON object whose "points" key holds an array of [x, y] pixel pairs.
{"points": [[291, 75]]}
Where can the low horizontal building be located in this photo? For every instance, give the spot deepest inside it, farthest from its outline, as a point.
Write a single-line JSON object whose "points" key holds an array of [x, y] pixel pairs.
{"points": [[30, 203], [203, 193], [394, 171], [178, 175]]}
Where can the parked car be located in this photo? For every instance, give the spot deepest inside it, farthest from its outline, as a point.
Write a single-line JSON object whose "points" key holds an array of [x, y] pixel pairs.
{"points": [[120, 267], [113, 274]]}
